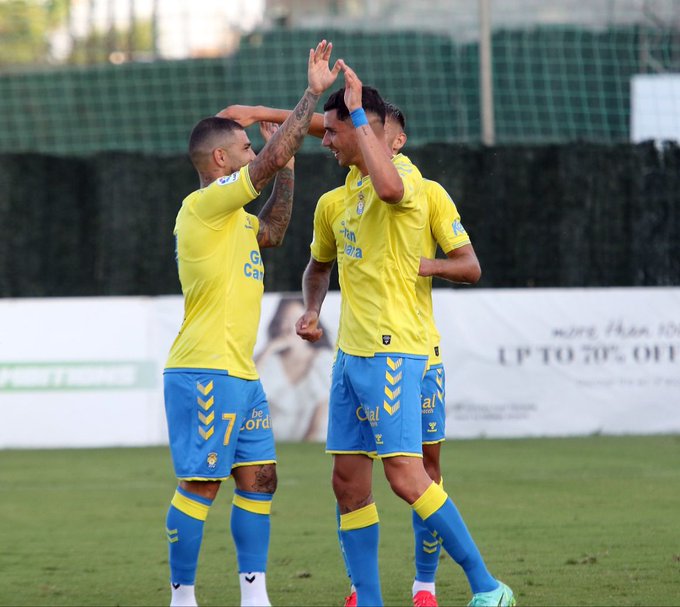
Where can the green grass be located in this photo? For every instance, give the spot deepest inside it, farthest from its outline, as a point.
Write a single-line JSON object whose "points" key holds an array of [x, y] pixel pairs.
{"points": [[583, 521]]}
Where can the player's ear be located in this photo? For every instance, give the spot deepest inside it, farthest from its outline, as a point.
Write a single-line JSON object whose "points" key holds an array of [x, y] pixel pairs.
{"points": [[219, 156], [400, 141]]}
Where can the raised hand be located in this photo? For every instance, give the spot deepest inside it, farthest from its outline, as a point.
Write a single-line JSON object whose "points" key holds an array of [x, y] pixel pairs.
{"points": [[319, 76], [267, 129], [353, 88]]}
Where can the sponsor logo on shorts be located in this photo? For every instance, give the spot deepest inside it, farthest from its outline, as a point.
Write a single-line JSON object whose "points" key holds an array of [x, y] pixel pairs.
{"points": [[432, 427], [429, 403], [378, 439], [212, 460], [372, 416], [257, 421]]}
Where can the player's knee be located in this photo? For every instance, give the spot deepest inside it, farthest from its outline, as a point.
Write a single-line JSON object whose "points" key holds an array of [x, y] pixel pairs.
{"points": [[266, 480], [206, 489], [407, 477], [341, 482], [258, 478]]}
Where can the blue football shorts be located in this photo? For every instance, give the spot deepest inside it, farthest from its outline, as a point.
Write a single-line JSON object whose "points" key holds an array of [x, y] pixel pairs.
{"points": [[375, 406], [433, 405], [215, 423]]}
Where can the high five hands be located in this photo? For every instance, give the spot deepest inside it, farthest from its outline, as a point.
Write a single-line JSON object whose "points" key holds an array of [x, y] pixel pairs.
{"points": [[319, 76]]}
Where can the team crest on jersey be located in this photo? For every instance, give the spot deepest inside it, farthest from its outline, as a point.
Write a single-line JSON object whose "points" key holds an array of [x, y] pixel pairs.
{"points": [[386, 339], [228, 179], [212, 460], [436, 350], [361, 204]]}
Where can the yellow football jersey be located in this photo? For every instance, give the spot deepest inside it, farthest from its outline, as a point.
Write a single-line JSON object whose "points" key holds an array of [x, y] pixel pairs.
{"points": [[221, 273], [446, 230], [329, 221], [382, 244]]}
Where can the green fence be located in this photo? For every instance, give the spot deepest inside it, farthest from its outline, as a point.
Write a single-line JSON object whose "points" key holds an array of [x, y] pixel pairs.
{"points": [[546, 216], [551, 85]]}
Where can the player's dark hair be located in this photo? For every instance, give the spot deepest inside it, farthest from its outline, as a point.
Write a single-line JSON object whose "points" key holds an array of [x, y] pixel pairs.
{"points": [[371, 101], [207, 129], [393, 111]]}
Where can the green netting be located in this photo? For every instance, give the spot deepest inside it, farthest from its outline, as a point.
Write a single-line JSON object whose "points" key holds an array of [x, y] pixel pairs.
{"points": [[551, 85]]}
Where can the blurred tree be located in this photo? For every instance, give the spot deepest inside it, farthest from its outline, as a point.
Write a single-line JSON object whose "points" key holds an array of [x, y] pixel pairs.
{"points": [[24, 29], [28, 30]]}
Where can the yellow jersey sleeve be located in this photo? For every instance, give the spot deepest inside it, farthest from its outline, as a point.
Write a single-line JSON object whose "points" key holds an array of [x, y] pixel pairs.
{"points": [[327, 242], [445, 223], [214, 203]]}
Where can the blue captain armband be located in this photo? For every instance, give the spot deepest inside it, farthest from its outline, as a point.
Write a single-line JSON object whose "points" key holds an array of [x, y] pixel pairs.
{"points": [[358, 117]]}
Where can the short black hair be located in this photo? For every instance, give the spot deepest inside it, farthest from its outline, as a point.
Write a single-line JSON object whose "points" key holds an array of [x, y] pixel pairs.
{"points": [[392, 110], [209, 129], [371, 101]]}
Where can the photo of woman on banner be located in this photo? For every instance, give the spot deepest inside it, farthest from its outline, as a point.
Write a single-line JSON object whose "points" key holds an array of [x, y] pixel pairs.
{"points": [[295, 375]]}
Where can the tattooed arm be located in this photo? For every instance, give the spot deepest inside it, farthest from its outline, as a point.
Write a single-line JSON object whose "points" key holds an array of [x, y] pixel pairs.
{"points": [[275, 214], [288, 139]]}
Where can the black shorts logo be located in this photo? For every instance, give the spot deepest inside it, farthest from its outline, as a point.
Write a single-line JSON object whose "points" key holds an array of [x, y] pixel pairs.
{"points": [[387, 339]]}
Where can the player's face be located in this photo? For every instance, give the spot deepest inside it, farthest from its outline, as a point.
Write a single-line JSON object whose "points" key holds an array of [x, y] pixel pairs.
{"points": [[340, 138], [239, 150], [394, 135]]}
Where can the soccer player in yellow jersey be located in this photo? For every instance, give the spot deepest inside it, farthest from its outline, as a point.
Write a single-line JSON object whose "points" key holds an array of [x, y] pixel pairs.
{"points": [[217, 413], [375, 408], [461, 265]]}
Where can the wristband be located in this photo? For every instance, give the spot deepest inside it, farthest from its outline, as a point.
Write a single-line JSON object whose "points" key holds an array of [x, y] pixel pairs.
{"points": [[358, 117]]}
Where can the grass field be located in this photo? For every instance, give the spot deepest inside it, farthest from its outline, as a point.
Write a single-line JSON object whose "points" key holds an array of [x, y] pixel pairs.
{"points": [[583, 521]]}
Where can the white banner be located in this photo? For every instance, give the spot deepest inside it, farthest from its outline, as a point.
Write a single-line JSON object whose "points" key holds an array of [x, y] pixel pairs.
{"points": [[549, 362], [536, 362]]}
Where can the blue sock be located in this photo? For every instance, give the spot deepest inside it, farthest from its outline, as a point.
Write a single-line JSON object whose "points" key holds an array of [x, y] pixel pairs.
{"points": [[427, 548], [342, 548], [359, 531], [184, 526], [441, 516], [250, 525]]}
